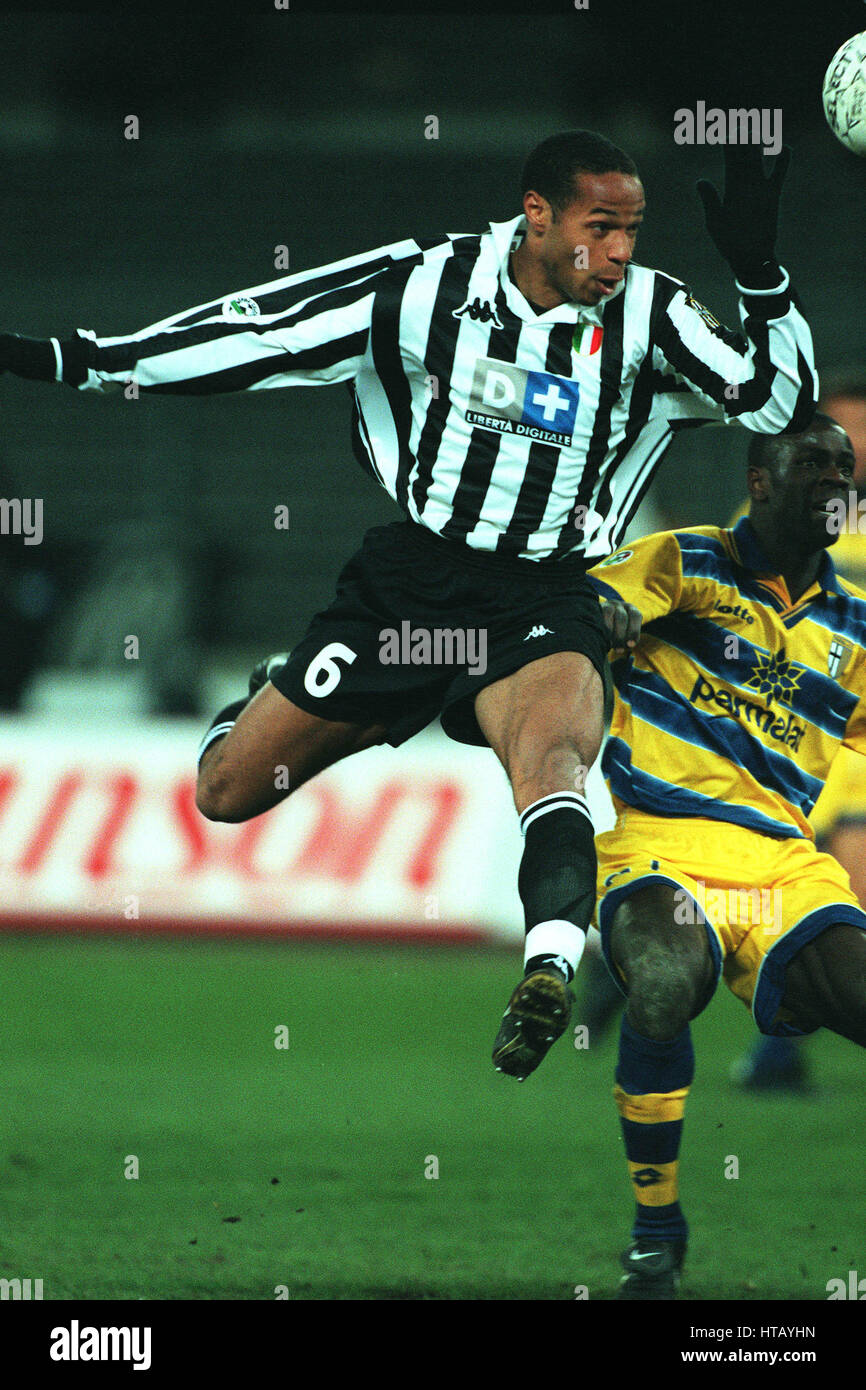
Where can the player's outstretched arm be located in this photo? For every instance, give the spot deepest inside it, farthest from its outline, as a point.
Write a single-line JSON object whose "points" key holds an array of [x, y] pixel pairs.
{"points": [[311, 328], [765, 379]]}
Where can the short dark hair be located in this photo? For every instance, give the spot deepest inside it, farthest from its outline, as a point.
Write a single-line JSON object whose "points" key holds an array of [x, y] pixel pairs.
{"points": [[553, 166], [764, 449]]}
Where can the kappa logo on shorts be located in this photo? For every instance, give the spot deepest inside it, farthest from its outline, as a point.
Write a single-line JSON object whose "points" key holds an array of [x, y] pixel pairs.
{"points": [[535, 405]]}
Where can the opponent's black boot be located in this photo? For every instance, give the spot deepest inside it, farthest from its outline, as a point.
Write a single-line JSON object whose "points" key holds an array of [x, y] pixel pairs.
{"points": [[652, 1269]]}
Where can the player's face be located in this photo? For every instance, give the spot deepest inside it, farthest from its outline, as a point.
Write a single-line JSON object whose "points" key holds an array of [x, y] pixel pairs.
{"points": [[850, 412], [584, 249], [814, 469]]}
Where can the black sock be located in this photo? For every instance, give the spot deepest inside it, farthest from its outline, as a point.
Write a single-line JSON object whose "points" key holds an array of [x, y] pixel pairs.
{"points": [[557, 880], [221, 725]]}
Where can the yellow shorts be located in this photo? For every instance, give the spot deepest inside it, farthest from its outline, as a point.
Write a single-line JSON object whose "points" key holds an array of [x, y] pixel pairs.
{"points": [[760, 899]]}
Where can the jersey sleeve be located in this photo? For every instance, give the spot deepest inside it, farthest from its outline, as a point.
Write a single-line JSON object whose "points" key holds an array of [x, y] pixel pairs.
{"points": [[764, 378], [648, 573], [307, 329], [855, 732]]}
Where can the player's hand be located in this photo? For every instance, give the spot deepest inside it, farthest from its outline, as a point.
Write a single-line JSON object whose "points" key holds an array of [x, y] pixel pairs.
{"points": [[623, 622], [32, 358], [743, 224]]}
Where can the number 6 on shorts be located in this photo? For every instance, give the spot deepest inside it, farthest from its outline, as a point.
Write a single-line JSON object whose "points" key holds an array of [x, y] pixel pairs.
{"points": [[325, 665]]}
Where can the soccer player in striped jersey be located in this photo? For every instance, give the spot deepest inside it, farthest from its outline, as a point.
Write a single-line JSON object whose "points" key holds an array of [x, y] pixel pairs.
{"points": [[749, 677], [514, 391]]}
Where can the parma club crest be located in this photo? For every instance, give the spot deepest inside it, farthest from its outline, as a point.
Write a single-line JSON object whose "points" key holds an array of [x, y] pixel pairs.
{"points": [[839, 655]]}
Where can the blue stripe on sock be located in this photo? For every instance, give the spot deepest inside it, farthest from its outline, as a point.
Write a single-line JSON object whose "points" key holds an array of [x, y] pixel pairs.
{"points": [[651, 1143], [645, 1066], [660, 1223]]}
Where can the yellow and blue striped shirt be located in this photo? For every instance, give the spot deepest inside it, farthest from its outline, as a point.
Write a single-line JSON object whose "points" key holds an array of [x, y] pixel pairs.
{"points": [[736, 700]]}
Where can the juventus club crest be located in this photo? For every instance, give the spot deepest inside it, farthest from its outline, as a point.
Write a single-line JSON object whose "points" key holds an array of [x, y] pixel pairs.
{"points": [[839, 655], [587, 339]]}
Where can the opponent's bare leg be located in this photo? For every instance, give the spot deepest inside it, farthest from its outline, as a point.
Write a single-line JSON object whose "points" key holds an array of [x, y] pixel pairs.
{"points": [[825, 983], [545, 723], [241, 776], [667, 965], [668, 972]]}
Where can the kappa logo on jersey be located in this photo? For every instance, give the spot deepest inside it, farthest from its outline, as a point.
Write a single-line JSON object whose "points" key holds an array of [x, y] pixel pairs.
{"points": [[509, 400], [839, 655], [539, 631], [478, 309], [240, 307]]}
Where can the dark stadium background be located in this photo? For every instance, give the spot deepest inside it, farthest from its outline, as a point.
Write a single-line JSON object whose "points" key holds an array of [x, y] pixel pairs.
{"points": [[305, 1169]]}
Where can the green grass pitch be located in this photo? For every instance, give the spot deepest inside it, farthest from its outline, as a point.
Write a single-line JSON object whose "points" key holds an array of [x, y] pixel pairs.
{"points": [[304, 1166]]}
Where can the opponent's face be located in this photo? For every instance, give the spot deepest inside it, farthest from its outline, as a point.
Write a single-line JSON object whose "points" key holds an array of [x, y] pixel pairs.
{"points": [[584, 249], [850, 412], [811, 470]]}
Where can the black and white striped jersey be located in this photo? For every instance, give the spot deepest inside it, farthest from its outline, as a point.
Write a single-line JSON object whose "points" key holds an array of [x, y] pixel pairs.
{"points": [[533, 434]]}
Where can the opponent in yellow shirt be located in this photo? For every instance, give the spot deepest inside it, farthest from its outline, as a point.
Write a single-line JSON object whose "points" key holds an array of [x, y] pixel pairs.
{"points": [[737, 698], [839, 817], [749, 676]]}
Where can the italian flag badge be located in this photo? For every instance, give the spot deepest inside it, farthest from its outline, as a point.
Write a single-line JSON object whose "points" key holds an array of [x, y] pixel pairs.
{"points": [[587, 339]]}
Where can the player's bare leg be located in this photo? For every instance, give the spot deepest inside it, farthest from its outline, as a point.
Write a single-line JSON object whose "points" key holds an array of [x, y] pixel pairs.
{"points": [[825, 983], [668, 972], [545, 724], [273, 748], [666, 965]]}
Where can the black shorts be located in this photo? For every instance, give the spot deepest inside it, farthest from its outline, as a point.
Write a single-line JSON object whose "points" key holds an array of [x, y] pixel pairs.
{"points": [[421, 624]]}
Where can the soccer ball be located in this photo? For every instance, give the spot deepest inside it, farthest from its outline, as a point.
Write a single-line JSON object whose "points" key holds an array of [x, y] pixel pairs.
{"points": [[845, 94]]}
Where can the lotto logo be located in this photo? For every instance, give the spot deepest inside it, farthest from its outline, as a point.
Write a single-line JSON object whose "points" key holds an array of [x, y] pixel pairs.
{"points": [[509, 400], [646, 1177], [734, 611]]}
